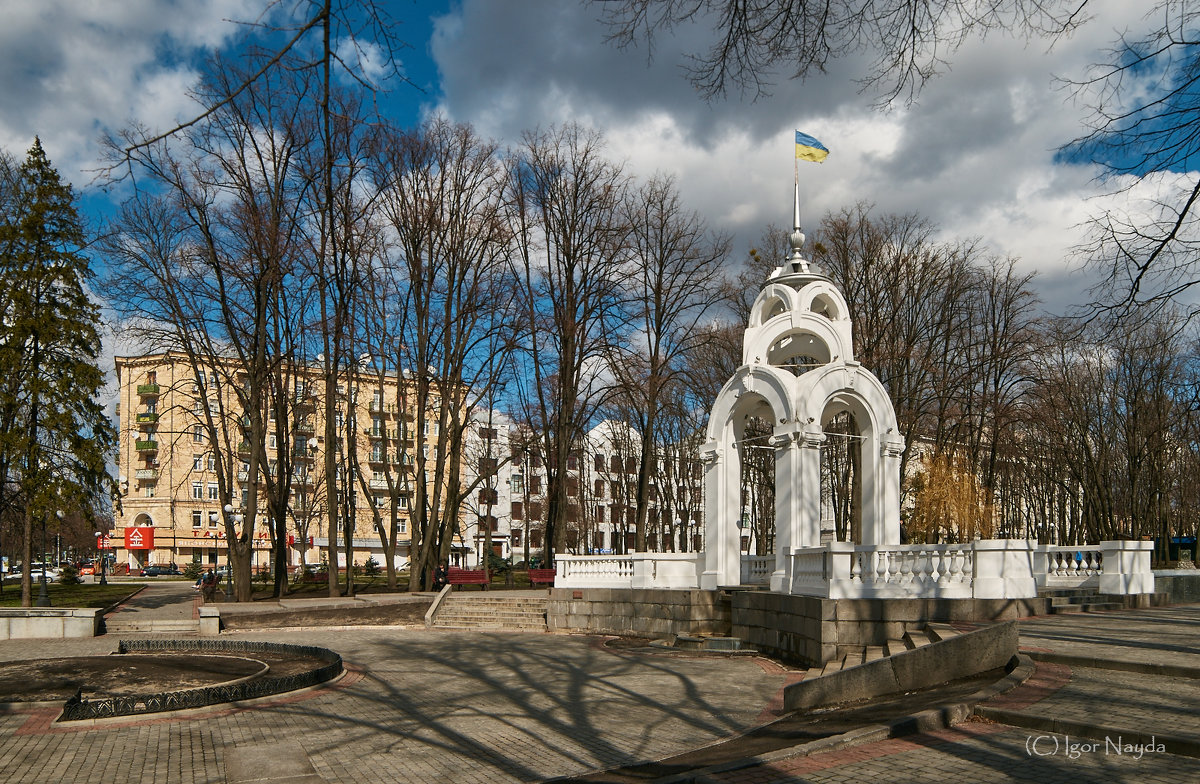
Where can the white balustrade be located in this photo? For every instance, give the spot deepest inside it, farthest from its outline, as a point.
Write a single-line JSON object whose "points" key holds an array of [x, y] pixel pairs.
{"points": [[983, 569], [633, 570], [756, 569], [1069, 567], [593, 571]]}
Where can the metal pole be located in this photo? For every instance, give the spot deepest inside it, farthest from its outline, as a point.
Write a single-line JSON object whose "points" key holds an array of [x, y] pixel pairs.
{"points": [[43, 599]]}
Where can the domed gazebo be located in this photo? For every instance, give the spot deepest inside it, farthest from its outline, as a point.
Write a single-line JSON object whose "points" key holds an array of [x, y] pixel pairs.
{"points": [[798, 373]]}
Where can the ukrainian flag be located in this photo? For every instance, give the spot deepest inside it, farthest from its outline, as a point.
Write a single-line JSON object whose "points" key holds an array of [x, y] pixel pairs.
{"points": [[809, 149]]}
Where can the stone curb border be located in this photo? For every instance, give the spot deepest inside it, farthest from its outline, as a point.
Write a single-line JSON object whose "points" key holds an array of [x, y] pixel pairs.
{"points": [[1172, 744], [924, 721], [1121, 665], [77, 709]]}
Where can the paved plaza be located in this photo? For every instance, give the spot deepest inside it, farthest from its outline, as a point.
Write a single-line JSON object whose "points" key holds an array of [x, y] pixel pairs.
{"points": [[423, 706]]}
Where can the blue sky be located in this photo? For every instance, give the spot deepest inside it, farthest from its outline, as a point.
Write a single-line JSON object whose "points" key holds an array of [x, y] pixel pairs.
{"points": [[976, 154]]}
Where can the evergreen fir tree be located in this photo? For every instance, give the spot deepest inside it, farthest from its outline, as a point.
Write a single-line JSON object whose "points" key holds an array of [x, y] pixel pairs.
{"points": [[54, 436]]}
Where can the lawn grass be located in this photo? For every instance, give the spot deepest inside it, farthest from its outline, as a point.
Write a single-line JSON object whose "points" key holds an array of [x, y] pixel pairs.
{"points": [[81, 595]]}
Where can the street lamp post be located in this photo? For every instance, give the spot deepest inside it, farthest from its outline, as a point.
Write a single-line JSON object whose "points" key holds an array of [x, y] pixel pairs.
{"points": [[103, 558], [236, 519], [43, 599]]}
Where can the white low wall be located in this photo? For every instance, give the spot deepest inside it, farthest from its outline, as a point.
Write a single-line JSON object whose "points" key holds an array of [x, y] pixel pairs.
{"points": [[982, 569], [49, 622], [680, 571]]}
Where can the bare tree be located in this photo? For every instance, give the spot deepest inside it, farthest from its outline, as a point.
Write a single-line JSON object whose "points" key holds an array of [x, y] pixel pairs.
{"points": [[910, 40], [442, 196], [673, 287], [203, 264], [570, 241]]}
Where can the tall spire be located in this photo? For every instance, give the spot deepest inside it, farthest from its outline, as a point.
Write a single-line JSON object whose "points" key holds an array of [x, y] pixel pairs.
{"points": [[797, 261]]}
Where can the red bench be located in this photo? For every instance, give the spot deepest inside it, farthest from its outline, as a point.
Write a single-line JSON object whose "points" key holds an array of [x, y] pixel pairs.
{"points": [[544, 576], [456, 576]]}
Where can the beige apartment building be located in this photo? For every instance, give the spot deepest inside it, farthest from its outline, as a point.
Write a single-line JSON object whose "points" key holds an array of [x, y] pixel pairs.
{"points": [[171, 509]]}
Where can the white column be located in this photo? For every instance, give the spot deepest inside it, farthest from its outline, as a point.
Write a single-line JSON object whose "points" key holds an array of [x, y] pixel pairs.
{"points": [[809, 524], [788, 491], [722, 546]]}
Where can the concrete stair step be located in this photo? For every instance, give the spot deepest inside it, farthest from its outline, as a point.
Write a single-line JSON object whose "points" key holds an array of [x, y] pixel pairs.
{"points": [[940, 631], [872, 653], [892, 647], [917, 639]]}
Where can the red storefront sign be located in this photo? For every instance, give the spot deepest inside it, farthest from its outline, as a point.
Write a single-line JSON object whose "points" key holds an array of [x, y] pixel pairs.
{"points": [[103, 543], [141, 538]]}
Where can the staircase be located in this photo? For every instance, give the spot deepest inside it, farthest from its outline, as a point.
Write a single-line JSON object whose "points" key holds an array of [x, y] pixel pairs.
{"points": [[116, 624], [934, 632], [1074, 600], [479, 611]]}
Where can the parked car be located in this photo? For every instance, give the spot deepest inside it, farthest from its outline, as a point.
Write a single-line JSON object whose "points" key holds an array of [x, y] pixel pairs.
{"points": [[158, 569], [87, 568], [52, 572]]}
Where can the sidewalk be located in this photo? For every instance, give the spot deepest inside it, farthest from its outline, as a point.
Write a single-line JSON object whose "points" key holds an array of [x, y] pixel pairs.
{"points": [[1068, 723], [471, 707]]}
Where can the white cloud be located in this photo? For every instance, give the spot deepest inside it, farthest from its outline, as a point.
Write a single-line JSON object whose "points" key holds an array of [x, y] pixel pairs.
{"points": [[975, 154], [74, 70]]}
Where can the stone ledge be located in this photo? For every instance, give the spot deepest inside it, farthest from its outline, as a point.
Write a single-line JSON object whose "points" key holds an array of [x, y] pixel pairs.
{"points": [[49, 622]]}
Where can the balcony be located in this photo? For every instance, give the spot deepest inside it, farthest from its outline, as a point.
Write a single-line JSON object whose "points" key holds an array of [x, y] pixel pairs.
{"points": [[244, 448], [242, 476], [379, 484], [146, 446], [305, 427], [146, 417], [375, 406], [302, 453], [146, 473], [147, 390]]}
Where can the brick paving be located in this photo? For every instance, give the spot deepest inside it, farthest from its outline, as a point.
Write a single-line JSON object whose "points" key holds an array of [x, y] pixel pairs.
{"points": [[425, 706], [422, 706]]}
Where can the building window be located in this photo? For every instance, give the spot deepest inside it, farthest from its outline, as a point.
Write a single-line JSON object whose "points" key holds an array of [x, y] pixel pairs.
{"points": [[535, 538], [198, 490], [212, 462], [197, 518], [212, 519], [517, 483], [599, 463], [149, 491], [213, 495], [535, 484], [488, 496], [403, 502], [197, 462], [598, 489], [198, 434], [518, 510], [614, 464], [487, 466], [599, 514], [572, 462], [489, 522], [535, 510], [487, 433], [516, 538], [403, 526]]}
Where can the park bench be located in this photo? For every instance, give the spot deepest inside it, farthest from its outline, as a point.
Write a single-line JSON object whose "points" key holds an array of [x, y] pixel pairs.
{"points": [[544, 576], [457, 576]]}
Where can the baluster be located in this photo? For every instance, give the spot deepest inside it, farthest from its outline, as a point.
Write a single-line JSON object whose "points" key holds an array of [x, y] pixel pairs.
{"points": [[881, 566]]}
